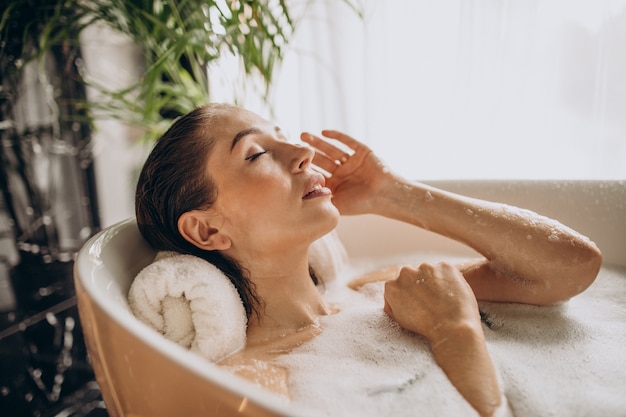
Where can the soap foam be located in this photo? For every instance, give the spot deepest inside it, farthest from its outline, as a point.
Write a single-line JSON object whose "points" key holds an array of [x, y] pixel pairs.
{"points": [[364, 364], [559, 360]]}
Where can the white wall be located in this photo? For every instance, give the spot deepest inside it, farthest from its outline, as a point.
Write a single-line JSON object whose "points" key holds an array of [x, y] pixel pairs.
{"points": [[113, 61], [467, 89], [441, 90]]}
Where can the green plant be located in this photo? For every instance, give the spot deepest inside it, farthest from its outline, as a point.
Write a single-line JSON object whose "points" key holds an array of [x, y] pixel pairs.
{"points": [[179, 40]]}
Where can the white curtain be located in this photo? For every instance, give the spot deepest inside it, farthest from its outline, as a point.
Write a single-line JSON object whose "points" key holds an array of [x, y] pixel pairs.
{"points": [[440, 89], [465, 89]]}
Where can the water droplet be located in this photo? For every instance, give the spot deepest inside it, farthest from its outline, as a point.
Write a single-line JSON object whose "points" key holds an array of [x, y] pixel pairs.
{"points": [[553, 236]]}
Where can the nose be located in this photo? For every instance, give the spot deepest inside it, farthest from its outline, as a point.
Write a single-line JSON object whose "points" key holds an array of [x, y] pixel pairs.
{"points": [[301, 157]]}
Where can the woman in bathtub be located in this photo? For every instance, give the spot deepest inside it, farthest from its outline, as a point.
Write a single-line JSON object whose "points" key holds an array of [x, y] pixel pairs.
{"points": [[225, 184]]}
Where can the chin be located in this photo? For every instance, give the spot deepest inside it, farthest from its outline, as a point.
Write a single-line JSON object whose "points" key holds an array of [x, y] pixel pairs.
{"points": [[331, 218], [325, 218]]}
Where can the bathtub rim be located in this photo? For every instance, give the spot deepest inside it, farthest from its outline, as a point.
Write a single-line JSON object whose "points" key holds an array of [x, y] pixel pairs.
{"points": [[123, 317], [263, 398], [601, 215]]}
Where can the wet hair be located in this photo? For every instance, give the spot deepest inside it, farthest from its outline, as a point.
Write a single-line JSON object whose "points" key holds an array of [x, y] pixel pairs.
{"points": [[173, 181]]}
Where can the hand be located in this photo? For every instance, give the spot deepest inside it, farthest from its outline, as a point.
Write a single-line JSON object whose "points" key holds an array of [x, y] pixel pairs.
{"points": [[355, 177], [432, 300], [437, 302]]}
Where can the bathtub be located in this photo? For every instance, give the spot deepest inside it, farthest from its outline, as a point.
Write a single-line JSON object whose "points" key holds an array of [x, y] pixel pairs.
{"points": [[143, 374]]}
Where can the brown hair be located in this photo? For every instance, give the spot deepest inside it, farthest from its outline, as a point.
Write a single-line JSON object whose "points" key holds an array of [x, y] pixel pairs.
{"points": [[173, 181]]}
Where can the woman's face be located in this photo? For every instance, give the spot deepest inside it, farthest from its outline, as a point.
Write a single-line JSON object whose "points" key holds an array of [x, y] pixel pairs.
{"points": [[268, 196]]}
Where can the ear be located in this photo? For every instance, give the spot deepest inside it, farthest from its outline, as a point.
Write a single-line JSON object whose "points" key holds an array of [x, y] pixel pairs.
{"points": [[200, 228]]}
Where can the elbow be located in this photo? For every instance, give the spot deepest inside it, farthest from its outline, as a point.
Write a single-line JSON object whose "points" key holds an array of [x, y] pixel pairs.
{"points": [[588, 268], [578, 275]]}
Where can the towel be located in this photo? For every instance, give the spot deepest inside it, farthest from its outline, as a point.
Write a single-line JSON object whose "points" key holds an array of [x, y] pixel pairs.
{"points": [[192, 303]]}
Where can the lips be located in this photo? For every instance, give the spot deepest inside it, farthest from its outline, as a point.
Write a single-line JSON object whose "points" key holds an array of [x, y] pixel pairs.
{"points": [[315, 187]]}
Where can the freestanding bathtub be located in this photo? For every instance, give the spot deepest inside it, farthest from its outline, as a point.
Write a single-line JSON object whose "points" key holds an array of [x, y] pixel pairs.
{"points": [[143, 374]]}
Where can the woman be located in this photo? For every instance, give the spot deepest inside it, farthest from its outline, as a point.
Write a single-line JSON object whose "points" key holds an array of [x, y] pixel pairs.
{"points": [[226, 185]]}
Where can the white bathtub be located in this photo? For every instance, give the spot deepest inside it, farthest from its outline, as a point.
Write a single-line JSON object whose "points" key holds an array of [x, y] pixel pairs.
{"points": [[143, 374]]}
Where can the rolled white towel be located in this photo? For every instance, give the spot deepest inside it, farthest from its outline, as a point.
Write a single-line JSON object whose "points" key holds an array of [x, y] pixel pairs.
{"points": [[192, 303]]}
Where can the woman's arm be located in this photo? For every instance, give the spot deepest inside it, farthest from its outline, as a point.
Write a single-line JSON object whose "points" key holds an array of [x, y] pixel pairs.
{"points": [[528, 258], [436, 302]]}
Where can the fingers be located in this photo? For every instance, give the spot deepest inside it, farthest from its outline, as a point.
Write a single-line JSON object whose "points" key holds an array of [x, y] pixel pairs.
{"points": [[431, 280], [410, 276], [343, 138], [324, 162], [327, 156], [387, 309], [330, 151]]}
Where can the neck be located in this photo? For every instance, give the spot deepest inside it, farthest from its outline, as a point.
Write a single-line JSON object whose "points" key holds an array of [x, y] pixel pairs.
{"points": [[290, 302]]}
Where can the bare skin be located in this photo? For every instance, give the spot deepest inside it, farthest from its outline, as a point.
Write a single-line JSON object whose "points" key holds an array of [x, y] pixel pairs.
{"points": [[256, 362], [271, 206], [527, 259], [444, 310], [266, 217]]}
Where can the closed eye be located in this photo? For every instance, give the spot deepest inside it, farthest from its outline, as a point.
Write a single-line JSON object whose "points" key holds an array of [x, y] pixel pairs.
{"points": [[255, 156]]}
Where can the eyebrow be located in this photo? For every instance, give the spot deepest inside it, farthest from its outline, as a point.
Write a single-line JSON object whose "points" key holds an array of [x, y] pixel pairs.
{"points": [[250, 131], [242, 134]]}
